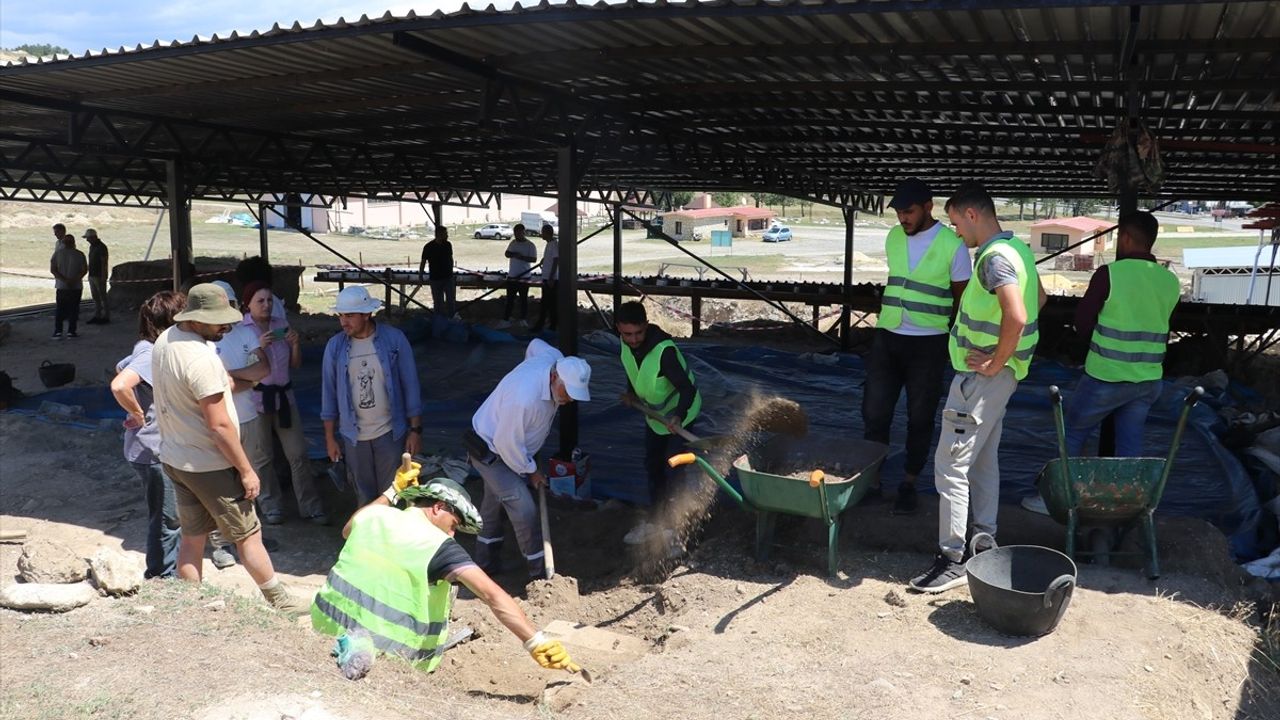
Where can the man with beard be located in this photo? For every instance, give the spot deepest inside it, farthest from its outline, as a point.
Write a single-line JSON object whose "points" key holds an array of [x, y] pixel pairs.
{"points": [[214, 483]]}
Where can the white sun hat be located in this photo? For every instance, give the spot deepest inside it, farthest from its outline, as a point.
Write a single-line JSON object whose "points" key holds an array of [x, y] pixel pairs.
{"points": [[356, 299]]}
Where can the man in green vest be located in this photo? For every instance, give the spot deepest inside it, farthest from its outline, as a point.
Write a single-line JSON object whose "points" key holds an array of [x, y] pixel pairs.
{"points": [[991, 344], [392, 582], [1125, 313], [659, 377], [928, 269]]}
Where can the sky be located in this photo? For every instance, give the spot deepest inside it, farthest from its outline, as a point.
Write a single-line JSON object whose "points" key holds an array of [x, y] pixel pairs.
{"points": [[80, 25]]}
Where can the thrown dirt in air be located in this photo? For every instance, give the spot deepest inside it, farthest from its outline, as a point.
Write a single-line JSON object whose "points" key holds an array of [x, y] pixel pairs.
{"points": [[693, 492]]}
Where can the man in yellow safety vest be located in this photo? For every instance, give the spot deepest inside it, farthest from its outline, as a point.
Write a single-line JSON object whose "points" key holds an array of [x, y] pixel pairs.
{"points": [[391, 586], [928, 269], [991, 345]]}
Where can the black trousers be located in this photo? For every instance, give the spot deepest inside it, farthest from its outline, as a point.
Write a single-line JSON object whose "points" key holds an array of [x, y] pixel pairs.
{"points": [[67, 308], [914, 362], [548, 309], [657, 448], [521, 290]]}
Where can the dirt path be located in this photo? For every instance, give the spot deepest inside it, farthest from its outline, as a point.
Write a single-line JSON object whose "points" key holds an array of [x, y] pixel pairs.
{"points": [[725, 636]]}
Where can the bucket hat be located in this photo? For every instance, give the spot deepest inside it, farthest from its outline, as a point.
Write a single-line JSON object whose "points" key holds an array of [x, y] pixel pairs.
{"points": [[451, 493], [207, 303], [356, 299]]}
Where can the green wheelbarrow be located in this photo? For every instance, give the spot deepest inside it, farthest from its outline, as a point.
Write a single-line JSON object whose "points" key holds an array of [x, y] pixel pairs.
{"points": [[1108, 492], [809, 477]]}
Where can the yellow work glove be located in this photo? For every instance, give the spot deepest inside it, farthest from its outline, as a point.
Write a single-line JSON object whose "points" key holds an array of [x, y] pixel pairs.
{"points": [[404, 479], [550, 654]]}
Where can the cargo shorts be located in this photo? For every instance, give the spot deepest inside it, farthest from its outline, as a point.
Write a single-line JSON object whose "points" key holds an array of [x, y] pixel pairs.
{"points": [[213, 500]]}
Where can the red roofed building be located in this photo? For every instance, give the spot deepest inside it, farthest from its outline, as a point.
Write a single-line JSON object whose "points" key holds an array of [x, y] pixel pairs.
{"points": [[1057, 233], [741, 221]]}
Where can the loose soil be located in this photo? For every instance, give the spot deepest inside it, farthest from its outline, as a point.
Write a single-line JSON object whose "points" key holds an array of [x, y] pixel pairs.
{"points": [[728, 636]]}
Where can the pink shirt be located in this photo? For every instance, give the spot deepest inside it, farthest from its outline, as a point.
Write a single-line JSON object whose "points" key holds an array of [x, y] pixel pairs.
{"points": [[277, 354]]}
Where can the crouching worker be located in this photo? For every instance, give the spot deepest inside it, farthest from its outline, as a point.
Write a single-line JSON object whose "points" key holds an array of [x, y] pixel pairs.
{"points": [[390, 591]]}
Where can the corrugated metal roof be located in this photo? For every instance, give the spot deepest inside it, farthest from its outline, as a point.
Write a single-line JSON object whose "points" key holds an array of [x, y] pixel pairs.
{"points": [[813, 98], [1227, 257]]}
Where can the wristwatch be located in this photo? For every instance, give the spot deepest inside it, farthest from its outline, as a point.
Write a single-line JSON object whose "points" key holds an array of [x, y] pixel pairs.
{"points": [[416, 429]]}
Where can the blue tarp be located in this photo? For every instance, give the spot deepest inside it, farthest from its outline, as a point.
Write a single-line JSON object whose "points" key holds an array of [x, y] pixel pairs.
{"points": [[1207, 481]]}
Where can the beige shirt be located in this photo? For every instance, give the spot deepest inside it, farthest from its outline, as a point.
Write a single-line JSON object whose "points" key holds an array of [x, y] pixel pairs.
{"points": [[185, 369], [368, 390]]}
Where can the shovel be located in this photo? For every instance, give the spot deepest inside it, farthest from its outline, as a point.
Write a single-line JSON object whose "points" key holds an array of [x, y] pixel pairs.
{"points": [[659, 417]]}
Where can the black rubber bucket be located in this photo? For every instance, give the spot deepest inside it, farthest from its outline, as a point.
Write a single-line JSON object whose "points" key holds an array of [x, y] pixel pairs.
{"points": [[1021, 589]]}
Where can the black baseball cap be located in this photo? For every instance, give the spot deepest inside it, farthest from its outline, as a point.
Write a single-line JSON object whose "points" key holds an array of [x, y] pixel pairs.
{"points": [[912, 191]]}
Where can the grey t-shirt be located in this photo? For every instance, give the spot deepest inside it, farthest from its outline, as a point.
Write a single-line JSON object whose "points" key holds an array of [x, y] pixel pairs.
{"points": [[142, 445], [994, 270]]}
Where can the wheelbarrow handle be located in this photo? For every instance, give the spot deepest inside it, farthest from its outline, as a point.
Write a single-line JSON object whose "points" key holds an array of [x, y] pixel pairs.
{"points": [[682, 459], [816, 477], [1055, 394], [689, 458]]}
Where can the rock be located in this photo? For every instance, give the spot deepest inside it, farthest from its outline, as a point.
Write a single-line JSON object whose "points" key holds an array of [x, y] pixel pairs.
{"points": [[144, 609], [957, 694], [114, 572], [44, 562], [51, 597], [216, 605], [893, 598], [98, 641], [881, 685], [966, 680]]}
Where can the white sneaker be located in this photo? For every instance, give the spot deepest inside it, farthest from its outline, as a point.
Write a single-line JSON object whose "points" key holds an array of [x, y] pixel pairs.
{"points": [[522, 323], [503, 324], [1035, 504]]}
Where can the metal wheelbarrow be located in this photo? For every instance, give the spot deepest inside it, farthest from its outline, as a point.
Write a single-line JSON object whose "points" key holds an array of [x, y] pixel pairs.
{"points": [[1108, 492], [809, 477]]}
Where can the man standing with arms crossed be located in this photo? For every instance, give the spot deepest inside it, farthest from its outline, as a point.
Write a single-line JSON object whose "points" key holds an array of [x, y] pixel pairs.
{"points": [[200, 444], [68, 267], [991, 345], [523, 254], [99, 272], [928, 269], [437, 258]]}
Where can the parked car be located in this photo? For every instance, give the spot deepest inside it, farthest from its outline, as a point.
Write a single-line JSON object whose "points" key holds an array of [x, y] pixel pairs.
{"points": [[781, 233], [495, 231]]}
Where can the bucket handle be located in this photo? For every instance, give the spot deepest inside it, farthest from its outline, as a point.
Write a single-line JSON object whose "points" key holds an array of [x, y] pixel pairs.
{"points": [[973, 543], [1060, 586]]}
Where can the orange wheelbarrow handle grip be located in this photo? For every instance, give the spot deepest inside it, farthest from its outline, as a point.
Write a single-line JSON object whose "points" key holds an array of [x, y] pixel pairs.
{"points": [[681, 459]]}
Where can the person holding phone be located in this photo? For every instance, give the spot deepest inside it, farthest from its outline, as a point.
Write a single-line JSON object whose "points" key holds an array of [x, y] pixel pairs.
{"points": [[274, 400]]}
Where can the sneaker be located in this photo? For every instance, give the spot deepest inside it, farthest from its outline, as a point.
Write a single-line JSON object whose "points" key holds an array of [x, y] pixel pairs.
{"points": [[281, 599], [943, 575], [57, 334], [274, 518], [318, 519], [73, 334], [1035, 504], [905, 503], [222, 557], [502, 325], [522, 323]]}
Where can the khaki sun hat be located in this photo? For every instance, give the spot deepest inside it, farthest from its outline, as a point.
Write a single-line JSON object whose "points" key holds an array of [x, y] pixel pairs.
{"points": [[207, 303]]}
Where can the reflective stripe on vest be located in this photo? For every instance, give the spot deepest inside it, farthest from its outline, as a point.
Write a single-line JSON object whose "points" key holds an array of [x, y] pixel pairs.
{"points": [[380, 585], [923, 293], [1129, 341], [977, 325], [657, 391]]}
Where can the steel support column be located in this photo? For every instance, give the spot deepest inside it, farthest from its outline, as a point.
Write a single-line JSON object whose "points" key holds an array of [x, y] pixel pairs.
{"points": [[846, 313], [437, 215], [567, 173], [179, 222], [617, 257], [263, 248]]}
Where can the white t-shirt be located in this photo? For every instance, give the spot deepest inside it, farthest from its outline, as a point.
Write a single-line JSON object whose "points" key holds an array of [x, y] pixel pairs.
{"points": [[185, 369], [368, 390], [237, 350], [518, 267], [961, 269], [550, 256]]}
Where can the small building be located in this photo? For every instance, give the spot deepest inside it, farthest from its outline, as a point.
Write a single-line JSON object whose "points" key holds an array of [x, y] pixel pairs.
{"points": [[741, 221], [1225, 275], [1057, 233]]}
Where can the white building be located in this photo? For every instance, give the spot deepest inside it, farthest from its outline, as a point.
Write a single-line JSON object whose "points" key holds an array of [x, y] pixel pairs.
{"points": [[363, 213], [1226, 274]]}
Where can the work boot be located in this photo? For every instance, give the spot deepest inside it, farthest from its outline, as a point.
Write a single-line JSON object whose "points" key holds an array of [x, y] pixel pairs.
{"points": [[281, 599], [905, 503]]}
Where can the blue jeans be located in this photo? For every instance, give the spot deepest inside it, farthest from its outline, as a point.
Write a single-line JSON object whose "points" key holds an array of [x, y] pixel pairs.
{"points": [[1093, 400], [162, 521]]}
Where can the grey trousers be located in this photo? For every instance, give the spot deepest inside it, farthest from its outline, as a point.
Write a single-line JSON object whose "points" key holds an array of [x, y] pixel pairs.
{"points": [[98, 288], [966, 466], [294, 445], [505, 490], [371, 464]]}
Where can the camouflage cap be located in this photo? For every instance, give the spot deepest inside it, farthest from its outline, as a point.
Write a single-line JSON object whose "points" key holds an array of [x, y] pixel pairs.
{"points": [[451, 493]]}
